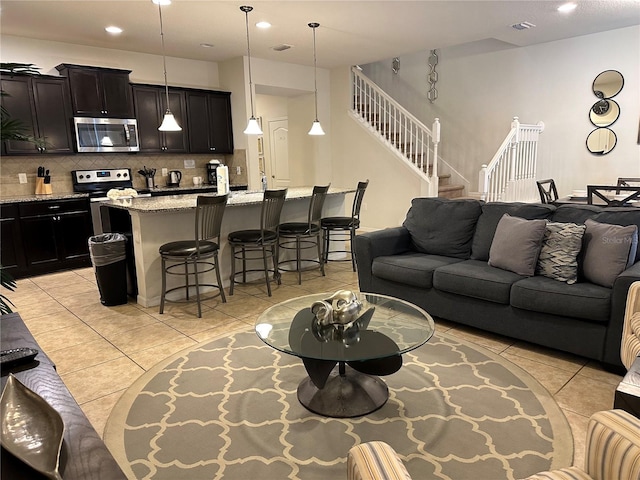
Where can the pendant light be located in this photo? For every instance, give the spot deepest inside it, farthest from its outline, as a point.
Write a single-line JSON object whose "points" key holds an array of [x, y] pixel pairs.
{"points": [[169, 123], [253, 127], [316, 128]]}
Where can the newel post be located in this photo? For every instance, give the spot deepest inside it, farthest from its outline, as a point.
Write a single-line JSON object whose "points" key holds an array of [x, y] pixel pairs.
{"points": [[483, 182], [435, 135]]}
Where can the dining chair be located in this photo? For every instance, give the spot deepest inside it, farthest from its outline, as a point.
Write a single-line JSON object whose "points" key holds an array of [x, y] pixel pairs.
{"points": [[300, 236], [613, 195], [198, 256], [344, 227], [547, 190], [627, 182], [260, 243]]}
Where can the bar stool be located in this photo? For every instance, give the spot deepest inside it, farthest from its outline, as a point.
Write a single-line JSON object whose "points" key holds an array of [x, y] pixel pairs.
{"points": [[262, 241], [300, 236], [341, 225], [201, 254]]}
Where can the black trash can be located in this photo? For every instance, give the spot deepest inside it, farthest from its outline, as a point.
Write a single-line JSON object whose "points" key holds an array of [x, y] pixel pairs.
{"points": [[109, 257]]}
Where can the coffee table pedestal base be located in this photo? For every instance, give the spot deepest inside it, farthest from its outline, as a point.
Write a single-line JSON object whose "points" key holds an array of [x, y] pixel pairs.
{"points": [[351, 394]]}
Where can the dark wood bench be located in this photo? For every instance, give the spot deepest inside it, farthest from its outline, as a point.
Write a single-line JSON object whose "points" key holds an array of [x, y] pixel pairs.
{"points": [[84, 455]]}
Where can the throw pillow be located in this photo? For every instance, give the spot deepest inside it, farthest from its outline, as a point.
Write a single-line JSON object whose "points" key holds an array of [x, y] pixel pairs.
{"points": [[561, 245], [442, 227], [516, 244], [608, 251]]}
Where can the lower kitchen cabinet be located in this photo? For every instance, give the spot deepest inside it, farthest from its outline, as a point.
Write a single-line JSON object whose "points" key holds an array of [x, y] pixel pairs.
{"points": [[45, 236]]}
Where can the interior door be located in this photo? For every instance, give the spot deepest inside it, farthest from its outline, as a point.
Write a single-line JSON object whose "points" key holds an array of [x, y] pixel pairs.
{"points": [[279, 152]]}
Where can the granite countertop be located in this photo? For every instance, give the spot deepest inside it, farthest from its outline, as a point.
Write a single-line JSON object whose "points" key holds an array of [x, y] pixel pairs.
{"points": [[170, 203]]}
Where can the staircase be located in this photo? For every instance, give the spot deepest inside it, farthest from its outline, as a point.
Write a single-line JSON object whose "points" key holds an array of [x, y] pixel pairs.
{"points": [[412, 142]]}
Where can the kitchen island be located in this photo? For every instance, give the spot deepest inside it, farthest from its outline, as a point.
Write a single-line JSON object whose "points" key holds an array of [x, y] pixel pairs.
{"points": [[158, 220]]}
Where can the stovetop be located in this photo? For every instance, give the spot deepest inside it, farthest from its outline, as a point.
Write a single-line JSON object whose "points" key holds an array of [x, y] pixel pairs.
{"points": [[99, 182]]}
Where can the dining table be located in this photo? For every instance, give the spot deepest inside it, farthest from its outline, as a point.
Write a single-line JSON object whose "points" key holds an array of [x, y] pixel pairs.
{"points": [[604, 195]]}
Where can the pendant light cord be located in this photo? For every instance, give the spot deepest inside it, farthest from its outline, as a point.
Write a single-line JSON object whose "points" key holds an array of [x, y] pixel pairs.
{"points": [[246, 11], [164, 57], [315, 74]]}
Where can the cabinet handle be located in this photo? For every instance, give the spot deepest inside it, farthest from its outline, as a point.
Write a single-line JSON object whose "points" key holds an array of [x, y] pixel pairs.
{"points": [[53, 207]]}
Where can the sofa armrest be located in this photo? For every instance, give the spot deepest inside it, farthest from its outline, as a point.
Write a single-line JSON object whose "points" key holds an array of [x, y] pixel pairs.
{"points": [[390, 241], [613, 445], [621, 286], [375, 461]]}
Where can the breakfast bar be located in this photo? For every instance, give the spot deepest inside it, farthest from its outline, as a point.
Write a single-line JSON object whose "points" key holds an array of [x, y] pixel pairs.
{"points": [[158, 220]]}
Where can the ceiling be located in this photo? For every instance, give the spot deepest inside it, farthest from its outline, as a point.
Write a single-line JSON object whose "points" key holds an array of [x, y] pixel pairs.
{"points": [[350, 32]]}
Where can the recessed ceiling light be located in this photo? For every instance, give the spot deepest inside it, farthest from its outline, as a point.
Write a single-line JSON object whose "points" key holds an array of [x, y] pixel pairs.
{"points": [[113, 29], [567, 7], [207, 45], [263, 25], [162, 2]]}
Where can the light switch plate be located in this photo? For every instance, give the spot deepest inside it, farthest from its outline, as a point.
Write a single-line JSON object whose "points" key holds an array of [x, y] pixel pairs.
{"points": [[22, 177], [189, 164], [238, 170], [165, 172]]}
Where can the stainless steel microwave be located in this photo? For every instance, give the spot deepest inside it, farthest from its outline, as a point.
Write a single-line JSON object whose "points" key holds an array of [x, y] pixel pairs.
{"points": [[106, 134]]}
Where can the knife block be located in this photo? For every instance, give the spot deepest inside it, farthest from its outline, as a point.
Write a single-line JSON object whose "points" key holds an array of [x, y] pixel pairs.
{"points": [[43, 188]]}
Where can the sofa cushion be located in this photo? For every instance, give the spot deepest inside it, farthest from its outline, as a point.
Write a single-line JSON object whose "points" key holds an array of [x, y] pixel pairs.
{"points": [[561, 245], [492, 212], [415, 269], [439, 226], [580, 300], [516, 244], [608, 251], [569, 213], [621, 216], [475, 278]]}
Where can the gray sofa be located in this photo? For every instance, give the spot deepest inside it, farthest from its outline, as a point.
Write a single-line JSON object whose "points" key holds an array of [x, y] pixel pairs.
{"points": [[449, 259]]}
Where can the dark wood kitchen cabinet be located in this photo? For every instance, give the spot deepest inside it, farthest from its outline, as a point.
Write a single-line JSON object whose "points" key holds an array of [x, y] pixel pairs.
{"points": [[98, 92], [42, 104], [150, 106], [209, 122], [45, 236]]}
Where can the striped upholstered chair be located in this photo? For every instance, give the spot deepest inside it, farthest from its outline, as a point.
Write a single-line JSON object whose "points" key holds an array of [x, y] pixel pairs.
{"points": [[612, 453], [630, 346]]}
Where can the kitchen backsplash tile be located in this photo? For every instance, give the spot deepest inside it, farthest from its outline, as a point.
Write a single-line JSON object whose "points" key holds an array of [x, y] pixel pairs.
{"points": [[60, 168]]}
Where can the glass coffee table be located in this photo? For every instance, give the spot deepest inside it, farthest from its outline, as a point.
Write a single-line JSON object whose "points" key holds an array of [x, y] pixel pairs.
{"points": [[344, 361]]}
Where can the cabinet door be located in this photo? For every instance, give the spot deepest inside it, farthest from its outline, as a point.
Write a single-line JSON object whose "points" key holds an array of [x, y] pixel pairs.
{"points": [[116, 95], [221, 130], [18, 102], [73, 230], [53, 115], [199, 123], [145, 100], [39, 240], [86, 95], [11, 252], [175, 142]]}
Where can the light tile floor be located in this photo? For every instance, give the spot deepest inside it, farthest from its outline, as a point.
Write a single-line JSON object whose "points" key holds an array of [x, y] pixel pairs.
{"points": [[100, 351]]}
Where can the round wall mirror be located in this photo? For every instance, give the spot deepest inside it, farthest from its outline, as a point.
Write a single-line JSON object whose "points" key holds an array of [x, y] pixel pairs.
{"points": [[608, 84], [601, 141], [604, 113]]}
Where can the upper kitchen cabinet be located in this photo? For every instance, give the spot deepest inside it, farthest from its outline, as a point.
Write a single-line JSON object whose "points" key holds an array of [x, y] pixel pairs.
{"points": [[149, 102], [209, 121], [41, 103], [98, 92]]}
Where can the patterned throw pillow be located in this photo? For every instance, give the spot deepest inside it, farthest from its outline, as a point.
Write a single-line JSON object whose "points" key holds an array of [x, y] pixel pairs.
{"points": [[560, 248]]}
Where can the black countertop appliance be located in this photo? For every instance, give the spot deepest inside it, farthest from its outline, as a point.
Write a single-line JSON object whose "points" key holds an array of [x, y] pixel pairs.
{"points": [[212, 178]]}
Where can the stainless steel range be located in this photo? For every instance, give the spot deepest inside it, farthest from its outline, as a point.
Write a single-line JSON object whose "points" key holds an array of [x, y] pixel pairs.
{"points": [[97, 183]]}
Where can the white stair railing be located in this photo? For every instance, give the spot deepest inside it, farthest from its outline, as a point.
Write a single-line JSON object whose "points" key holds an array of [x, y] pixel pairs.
{"points": [[407, 136], [510, 176]]}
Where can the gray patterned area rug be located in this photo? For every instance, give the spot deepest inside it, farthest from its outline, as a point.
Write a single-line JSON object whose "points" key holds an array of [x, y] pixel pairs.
{"points": [[227, 409]]}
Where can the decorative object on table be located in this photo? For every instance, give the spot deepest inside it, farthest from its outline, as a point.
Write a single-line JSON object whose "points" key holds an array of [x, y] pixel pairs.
{"points": [[342, 308], [43, 182], [148, 174], [31, 429], [169, 123], [253, 127], [604, 112], [316, 128]]}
